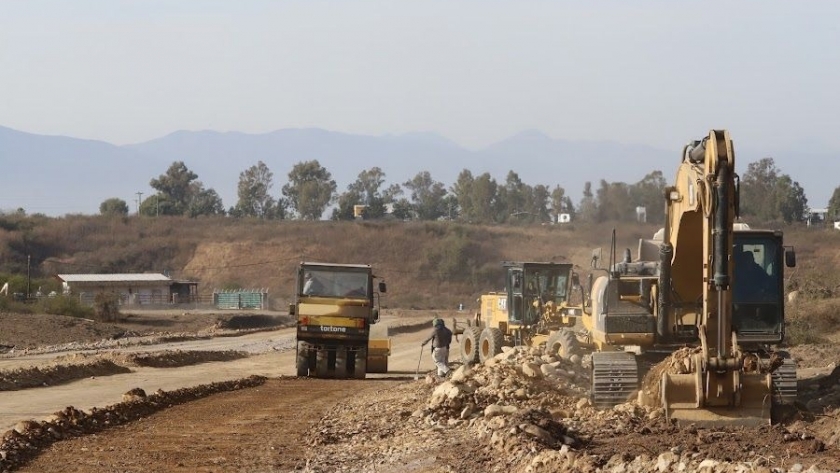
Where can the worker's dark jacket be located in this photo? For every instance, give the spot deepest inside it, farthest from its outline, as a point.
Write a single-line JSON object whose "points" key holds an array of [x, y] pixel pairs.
{"points": [[441, 337]]}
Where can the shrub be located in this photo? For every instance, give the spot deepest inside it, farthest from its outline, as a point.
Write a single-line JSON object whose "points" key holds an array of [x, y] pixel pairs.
{"points": [[809, 321], [8, 304], [452, 258], [63, 305], [106, 306]]}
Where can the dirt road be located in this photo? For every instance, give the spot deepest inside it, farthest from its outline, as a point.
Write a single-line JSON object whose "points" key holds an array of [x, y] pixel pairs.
{"points": [[272, 356], [494, 417], [262, 429]]}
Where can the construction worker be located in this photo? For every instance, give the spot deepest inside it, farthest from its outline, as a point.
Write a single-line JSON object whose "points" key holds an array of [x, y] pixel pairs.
{"points": [[311, 286], [441, 337]]}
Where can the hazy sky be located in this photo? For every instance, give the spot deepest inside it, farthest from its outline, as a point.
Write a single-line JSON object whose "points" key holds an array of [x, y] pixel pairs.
{"points": [[653, 72]]}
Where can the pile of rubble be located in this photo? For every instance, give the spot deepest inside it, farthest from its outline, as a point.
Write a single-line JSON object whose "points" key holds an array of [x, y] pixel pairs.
{"points": [[29, 437], [821, 398], [64, 369], [528, 411], [177, 358], [38, 376]]}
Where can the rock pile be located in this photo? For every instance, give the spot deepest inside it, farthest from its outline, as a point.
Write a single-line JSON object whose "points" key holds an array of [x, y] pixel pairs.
{"points": [[35, 376], [527, 411], [67, 368], [176, 358]]}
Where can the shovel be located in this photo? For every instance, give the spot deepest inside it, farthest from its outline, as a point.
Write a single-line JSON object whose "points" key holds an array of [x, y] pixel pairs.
{"points": [[417, 371]]}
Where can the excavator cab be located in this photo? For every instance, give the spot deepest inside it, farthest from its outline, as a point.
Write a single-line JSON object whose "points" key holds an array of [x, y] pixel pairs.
{"points": [[758, 286]]}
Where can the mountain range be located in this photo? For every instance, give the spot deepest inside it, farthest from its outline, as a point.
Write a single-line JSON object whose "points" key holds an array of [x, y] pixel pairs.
{"points": [[58, 175]]}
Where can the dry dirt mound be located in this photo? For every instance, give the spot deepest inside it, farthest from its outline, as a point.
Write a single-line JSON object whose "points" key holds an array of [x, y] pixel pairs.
{"points": [[821, 414], [35, 377], [253, 321], [28, 438], [155, 359], [23, 331], [65, 369], [176, 358], [42, 333]]}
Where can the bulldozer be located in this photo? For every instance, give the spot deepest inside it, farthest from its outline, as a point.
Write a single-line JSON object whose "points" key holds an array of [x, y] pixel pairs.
{"points": [[335, 307], [533, 310], [705, 282]]}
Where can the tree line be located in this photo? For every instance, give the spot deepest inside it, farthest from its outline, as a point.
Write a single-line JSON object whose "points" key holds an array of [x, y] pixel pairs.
{"points": [[767, 194]]}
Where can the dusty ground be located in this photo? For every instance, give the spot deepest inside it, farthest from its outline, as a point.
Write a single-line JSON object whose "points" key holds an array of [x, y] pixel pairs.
{"points": [[525, 411], [28, 331]]}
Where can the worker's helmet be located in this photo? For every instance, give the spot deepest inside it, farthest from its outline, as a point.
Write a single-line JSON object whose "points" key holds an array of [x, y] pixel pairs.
{"points": [[438, 322]]}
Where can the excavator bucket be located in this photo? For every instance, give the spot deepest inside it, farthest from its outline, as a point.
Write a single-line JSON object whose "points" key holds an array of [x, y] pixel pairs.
{"points": [[683, 400]]}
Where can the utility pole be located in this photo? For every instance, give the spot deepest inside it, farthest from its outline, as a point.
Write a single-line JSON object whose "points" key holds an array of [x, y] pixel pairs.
{"points": [[28, 276], [139, 196]]}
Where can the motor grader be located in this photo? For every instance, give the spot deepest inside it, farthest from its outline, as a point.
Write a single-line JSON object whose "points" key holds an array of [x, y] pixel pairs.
{"points": [[335, 306], [704, 282], [533, 309]]}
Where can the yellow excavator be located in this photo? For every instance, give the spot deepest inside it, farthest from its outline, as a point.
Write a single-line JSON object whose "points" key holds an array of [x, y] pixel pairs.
{"points": [[704, 282]]}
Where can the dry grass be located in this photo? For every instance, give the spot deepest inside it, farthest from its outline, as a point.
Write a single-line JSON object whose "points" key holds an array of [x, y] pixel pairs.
{"points": [[426, 264]]}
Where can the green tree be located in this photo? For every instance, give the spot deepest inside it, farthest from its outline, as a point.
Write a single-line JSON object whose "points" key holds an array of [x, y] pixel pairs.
{"points": [[156, 205], [461, 191], [345, 203], [175, 187], [450, 204], [588, 208], [834, 205], [538, 203], [310, 189], [560, 203], [113, 207], [650, 194], [427, 196], [769, 195], [614, 202], [485, 199], [253, 192], [514, 195], [789, 200], [366, 190], [204, 202], [377, 203], [403, 210], [756, 185]]}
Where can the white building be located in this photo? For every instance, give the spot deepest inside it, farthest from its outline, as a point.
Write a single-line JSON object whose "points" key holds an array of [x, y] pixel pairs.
{"points": [[142, 288]]}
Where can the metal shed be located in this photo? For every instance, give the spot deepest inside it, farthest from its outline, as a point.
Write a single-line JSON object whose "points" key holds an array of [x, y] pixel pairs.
{"points": [[140, 288]]}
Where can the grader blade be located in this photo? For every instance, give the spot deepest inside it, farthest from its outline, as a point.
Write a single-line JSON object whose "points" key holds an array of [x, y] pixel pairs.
{"points": [[685, 400]]}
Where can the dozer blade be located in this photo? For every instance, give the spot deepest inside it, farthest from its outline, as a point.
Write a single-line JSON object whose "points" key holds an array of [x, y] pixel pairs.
{"points": [[684, 401], [615, 378]]}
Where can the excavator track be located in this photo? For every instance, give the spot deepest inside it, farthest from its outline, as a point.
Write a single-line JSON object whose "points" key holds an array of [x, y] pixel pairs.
{"points": [[784, 382], [615, 378]]}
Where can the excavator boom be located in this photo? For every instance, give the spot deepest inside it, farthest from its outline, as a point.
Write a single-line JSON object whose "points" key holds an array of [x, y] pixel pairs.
{"points": [[723, 384]]}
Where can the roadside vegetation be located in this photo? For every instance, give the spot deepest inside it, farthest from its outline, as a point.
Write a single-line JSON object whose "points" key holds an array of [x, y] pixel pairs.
{"points": [[437, 246]]}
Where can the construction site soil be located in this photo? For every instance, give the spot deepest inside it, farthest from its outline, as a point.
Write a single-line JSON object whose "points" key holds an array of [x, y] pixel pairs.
{"points": [[521, 411]]}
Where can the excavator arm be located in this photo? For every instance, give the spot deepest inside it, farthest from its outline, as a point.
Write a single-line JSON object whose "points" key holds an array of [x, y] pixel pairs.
{"points": [[719, 385]]}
